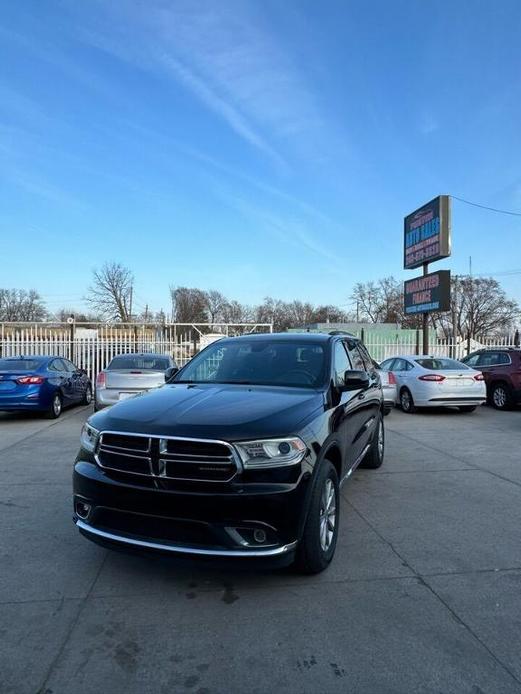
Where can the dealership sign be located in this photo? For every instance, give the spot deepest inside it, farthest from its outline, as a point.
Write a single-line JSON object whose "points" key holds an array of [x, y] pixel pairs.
{"points": [[427, 233], [428, 293]]}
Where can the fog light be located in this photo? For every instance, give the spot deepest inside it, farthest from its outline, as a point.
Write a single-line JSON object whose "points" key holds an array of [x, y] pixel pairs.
{"points": [[259, 536], [82, 509]]}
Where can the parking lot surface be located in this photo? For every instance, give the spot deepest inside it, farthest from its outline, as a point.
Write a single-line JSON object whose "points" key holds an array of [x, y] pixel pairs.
{"points": [[424, 594]]}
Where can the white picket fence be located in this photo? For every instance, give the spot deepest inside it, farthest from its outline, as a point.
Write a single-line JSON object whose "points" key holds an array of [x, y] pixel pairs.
{"points": [[91, 348], [381, 347]]}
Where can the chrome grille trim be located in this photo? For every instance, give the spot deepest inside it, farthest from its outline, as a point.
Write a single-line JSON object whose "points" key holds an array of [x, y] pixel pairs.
{"points": [[165, 457]]}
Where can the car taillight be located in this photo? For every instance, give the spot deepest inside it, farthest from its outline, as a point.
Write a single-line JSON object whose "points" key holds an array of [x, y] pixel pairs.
{"points": [[32, 380], [432, 377], [392, 379], [100, 379], [479, 377]]}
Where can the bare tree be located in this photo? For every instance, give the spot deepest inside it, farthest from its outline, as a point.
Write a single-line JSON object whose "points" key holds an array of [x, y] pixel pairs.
{"points": [[189, 305], [111, 292], [215, 303], [380, 301], [235, 312], [80, 316], [21, 305], [480, 308]]}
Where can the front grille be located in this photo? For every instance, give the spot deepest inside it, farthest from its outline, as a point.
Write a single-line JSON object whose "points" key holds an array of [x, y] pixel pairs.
{"points": [[195, 460]]}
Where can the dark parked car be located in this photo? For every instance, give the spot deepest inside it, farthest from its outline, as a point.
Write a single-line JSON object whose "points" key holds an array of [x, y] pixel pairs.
{"points": [[502, 371], [241, 454], [46, 384]]}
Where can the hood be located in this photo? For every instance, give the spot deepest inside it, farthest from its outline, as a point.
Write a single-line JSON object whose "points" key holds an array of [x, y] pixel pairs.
{"points": [[217, 411]]}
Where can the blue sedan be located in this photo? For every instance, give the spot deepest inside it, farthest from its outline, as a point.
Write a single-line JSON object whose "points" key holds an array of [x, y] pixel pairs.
{"points": [[45, 384]]}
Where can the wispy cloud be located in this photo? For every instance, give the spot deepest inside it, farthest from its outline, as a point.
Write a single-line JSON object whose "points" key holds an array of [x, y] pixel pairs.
{"points": [[228, 57]]}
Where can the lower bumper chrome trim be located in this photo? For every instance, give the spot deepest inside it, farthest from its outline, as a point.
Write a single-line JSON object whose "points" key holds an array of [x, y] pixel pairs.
{"points": [[176, 549]]}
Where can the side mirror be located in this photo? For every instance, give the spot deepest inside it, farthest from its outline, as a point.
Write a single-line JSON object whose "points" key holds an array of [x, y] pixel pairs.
{"points": [[170, 373], [355, 380]]}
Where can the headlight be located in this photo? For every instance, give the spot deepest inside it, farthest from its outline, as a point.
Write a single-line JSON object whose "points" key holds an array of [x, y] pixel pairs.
{"points": [[271, 452], [89, 437]]}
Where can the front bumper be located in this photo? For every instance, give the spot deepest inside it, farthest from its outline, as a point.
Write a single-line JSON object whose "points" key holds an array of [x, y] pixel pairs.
{"points": [[243, 521]]}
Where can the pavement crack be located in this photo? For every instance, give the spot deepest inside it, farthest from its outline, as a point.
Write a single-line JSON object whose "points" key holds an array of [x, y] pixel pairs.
{"points": [[81, 607]]}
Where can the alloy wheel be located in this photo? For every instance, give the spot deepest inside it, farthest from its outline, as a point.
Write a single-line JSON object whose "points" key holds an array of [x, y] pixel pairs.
{"points": [[327, 515], [88, 396], [499, 396], [405, 400], [57, 405], [381, 442]]}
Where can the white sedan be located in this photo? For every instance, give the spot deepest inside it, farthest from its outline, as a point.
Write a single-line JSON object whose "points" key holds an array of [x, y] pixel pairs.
{"points": [[424, 381]]}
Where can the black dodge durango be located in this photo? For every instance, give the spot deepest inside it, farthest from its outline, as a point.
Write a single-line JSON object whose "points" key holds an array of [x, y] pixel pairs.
{"points": [[240, 454]]}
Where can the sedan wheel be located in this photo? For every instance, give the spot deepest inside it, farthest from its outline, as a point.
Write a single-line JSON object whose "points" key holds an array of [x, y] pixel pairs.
{"points": [[87, 398], [55, 409], [406, 401]]}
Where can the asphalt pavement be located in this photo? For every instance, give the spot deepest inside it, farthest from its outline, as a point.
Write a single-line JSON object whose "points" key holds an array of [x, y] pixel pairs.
{"points": [[424, 594]]}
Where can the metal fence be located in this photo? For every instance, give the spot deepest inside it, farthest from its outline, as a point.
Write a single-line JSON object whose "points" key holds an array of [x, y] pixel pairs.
{"points": [[91, 346], [381, 347]]}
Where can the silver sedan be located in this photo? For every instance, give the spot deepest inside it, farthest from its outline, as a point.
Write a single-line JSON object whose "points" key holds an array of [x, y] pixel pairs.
{"points": [[130, 374], [426, 381]]}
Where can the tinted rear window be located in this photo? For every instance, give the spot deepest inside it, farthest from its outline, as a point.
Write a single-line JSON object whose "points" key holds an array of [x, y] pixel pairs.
{"points": [[441, 364], [19, 364], [142, 363]]}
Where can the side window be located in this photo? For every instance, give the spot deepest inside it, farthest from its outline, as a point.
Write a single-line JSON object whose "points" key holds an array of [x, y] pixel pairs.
{"points": [[408, 365], [355, 356], [387, 365], [493, 359], [503, 358], [473, 360], [57, 365], [69, 365], [400, 365], [340, 363]]}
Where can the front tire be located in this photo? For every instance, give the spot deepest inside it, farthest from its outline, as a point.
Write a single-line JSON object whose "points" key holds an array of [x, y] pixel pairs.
{"points": [[56, 406], [500, 396], [375, 455], [317, 546], [406, 401]]}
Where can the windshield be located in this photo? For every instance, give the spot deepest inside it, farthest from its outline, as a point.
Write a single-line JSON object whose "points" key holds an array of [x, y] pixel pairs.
{"points": [[441, 364], [19, 364], [142, 363], [256, 362]]}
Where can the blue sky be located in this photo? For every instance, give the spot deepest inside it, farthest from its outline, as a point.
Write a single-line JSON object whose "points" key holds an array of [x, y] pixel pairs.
{"points": [[258, 148]]}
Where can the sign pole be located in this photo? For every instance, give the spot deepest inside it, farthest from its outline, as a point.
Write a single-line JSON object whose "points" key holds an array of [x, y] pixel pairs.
{"points": [[425, 322]]}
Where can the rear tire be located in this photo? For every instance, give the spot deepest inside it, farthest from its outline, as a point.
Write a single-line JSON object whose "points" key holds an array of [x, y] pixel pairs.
{"points": [[87, 398], [406, 401], [467, 408], [317, 546], [500, 396], [55, 408], [375, 455]]}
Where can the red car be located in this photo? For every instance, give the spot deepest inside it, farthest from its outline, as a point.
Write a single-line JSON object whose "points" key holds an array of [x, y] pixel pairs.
{"points": [[502, 371]]}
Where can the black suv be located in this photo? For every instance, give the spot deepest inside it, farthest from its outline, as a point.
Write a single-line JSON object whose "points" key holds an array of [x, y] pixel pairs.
{"points": [[501, 369], [241, 454]]}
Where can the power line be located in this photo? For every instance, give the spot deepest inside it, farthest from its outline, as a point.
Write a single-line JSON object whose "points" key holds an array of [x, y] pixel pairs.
{"points": [[485, 207]]}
